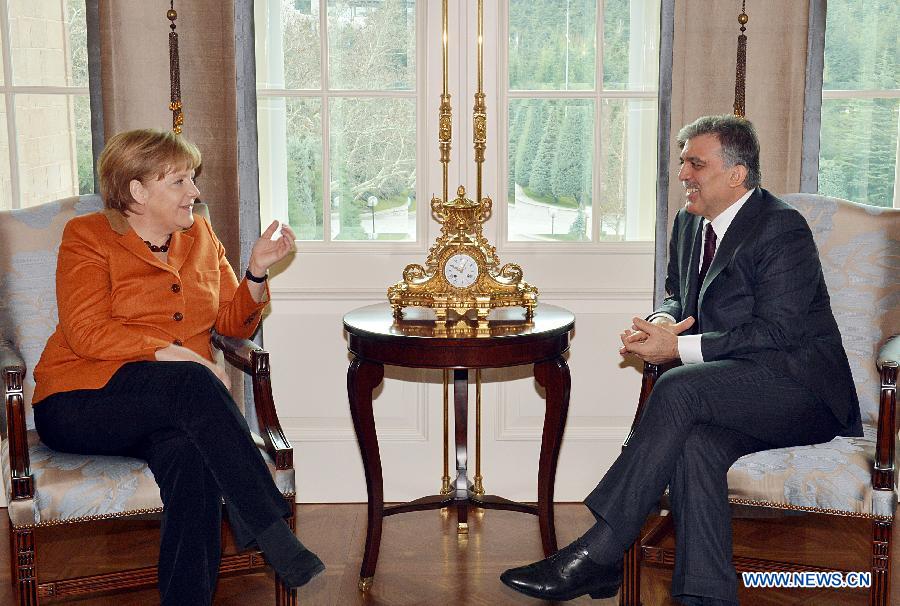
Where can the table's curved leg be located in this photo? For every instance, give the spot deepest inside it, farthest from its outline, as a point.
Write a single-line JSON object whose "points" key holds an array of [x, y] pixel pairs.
{"points": [[461, 484], [553, 376], [362, 377]]}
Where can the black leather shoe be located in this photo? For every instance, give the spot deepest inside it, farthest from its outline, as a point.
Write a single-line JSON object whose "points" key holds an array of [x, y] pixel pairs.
{"points": [[565, 575]]}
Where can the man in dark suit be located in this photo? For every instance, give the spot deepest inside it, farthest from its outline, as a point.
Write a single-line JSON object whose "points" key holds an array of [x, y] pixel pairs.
{"points": [[748, 315]]}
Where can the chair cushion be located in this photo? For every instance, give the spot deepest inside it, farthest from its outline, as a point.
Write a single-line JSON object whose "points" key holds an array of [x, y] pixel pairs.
{"points": [[859, 247], [28, 314], [834, 476], [74, 488]]}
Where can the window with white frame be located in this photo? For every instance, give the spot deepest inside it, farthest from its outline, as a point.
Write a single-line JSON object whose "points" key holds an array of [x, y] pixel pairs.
{"points": [[45, 126], [336, 107], [858, 150], [581, 128]]}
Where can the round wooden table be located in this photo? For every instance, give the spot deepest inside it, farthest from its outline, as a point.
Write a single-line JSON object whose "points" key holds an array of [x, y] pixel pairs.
{"points": [[376, 338]]}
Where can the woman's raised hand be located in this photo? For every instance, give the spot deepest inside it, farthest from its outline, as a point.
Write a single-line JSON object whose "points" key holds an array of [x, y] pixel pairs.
{"points": [[267, 251]]}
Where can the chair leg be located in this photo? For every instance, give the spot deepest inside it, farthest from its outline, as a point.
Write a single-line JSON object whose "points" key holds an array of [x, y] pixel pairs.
{"points": [[630, 594], [284, 596], [23, 568], [880, 591]]}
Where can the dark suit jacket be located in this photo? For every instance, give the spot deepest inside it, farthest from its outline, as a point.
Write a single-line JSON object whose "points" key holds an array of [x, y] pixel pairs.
{"points": [[764, 298]]}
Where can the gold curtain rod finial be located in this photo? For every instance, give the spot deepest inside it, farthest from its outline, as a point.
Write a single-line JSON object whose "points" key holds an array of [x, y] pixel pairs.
{"points": [[740, 76], [174, 73]]}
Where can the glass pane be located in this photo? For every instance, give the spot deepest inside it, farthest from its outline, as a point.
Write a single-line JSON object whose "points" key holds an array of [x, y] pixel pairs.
{"points": [[373, 169], [372, 44], [288, 49], [290, 163], [5, 185], [551, 46], [858, 149], [46, 145], [626, 208], [48, 43], [304, 167], [76, 29], [551, 151], [630, 44], [862, 50], [83, 145]]}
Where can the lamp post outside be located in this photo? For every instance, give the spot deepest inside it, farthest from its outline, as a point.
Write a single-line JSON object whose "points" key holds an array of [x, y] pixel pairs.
{"points": [[372, 202], [553, 214]]}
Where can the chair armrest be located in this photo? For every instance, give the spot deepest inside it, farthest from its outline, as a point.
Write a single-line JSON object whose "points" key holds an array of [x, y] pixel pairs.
{"points": [[253, 360], [889, 352], [13, 368], [887, 362]]}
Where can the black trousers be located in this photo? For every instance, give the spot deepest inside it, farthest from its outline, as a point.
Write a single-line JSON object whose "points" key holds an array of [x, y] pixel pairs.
{"points": [[179, 418], [699, 420]]}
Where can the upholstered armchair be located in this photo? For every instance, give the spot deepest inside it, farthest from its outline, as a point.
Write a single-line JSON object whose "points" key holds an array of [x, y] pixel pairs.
{"points": [[859, 247], [49, 493]]}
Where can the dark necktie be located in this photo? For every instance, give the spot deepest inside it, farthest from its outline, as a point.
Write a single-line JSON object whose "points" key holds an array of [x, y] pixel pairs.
{"points": [[709, 251]]}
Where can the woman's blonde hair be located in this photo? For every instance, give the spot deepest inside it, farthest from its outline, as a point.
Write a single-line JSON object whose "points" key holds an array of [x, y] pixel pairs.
{"points": [[141, 154]]}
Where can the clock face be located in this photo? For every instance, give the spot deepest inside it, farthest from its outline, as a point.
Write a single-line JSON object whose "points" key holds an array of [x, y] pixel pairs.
{"points": [[461, 270]]}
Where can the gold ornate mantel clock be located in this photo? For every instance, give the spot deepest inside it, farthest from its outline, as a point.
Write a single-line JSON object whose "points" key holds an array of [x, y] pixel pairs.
{"points": [[462, 272]]}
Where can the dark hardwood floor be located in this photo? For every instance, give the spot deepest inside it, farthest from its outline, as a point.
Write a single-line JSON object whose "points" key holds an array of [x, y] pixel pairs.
{"points": [[423, 562]]}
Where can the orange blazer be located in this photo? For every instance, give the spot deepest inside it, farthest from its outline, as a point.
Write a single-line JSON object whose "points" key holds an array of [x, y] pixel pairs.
{"points": [[118, 303]]}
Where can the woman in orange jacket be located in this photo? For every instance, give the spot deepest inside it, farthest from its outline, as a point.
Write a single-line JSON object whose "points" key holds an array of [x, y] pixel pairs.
{"points": [[129, 370]]}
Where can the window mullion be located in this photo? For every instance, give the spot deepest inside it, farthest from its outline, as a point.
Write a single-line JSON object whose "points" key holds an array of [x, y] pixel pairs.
{"points": [[598, 129], [9, 100], [896, 201], [326, 123], [503, 97], [861, 94]]}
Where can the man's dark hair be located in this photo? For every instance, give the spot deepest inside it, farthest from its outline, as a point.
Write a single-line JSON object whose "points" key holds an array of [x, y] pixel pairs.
{"points": [[737, 137]]}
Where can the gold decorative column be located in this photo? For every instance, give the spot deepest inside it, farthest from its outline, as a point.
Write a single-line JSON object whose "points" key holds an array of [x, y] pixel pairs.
{"points": [[478, 487], [445, 113], [479, 141], [462, 273], [445, 479], [445, 134], [479, 110]]}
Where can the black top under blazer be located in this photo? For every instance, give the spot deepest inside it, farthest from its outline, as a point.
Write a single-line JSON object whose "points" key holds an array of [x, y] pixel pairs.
{"points": [[764, 298]]}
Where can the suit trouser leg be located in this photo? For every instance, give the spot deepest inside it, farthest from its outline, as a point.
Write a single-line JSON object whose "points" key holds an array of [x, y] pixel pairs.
{"points": [[698, 495], [738, 395], [190, 547]]}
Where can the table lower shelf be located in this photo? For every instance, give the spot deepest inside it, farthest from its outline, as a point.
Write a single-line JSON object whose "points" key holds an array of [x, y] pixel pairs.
{"points": [[439, 501]]}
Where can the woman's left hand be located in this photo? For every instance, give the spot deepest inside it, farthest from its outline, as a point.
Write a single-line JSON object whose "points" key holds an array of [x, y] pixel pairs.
{"points": [[267, 251]]}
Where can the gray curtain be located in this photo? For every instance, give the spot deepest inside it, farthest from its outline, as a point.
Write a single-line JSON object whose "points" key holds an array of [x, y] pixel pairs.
{"points": [[666, 39], [812, 106], [92, 15], [247, 166]]}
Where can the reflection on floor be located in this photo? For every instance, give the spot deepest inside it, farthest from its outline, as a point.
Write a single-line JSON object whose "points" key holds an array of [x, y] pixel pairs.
{"points": [[423, 562]]}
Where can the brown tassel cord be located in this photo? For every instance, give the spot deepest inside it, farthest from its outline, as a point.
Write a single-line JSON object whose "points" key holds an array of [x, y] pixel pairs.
{"points": [[741, 69], [174, 74]]}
